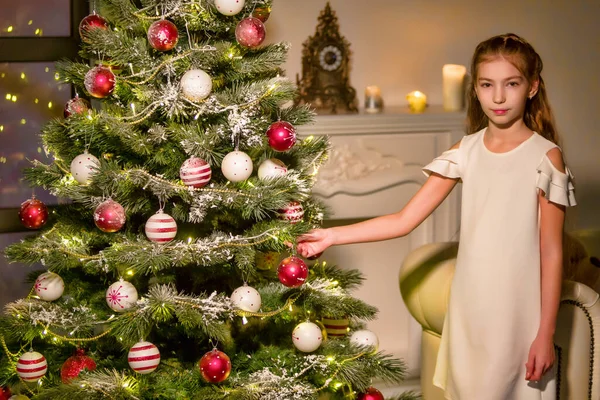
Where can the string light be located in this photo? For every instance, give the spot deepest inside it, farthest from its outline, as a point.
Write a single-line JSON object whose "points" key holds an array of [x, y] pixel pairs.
{"points": [[9, 29]]}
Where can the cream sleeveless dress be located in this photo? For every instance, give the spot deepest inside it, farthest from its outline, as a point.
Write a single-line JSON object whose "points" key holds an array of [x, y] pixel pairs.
{"points": [[494, 306]]}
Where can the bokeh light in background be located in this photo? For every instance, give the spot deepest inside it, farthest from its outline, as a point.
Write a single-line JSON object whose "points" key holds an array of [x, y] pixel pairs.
{"points": [[30, 96], [30, 18]]}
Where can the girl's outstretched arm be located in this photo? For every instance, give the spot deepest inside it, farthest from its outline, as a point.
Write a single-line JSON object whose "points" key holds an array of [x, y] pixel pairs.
{"points": [[401, 223], [552, 216]]}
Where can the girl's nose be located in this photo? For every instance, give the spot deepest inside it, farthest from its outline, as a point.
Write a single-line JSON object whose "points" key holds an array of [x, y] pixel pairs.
{"points": [[499, 97]]}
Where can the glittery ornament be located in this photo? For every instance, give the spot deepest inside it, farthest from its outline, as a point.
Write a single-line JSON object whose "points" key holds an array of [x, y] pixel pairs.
{"points": [[143, 357], [161, 227], [195, 172], [75, 364], [365, 337], [282, 136], [196, 85], [229, 7], [307, 337], [76, 105], [121, 296], [267, 260], [32, 366], [109, 216], [215, 366], [371, 394], [292, 271], [90, 22], [250, 32], [33, 213], [246, 298], [291, 213], [336, 327], [237, 166], [262, 13], [99, 82], [163, 35], [83, 167], [49, 286], [271, 168], [5, 393]]}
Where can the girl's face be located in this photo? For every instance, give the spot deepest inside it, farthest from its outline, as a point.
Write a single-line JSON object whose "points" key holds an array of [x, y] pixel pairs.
{"points": [[502, 91]]}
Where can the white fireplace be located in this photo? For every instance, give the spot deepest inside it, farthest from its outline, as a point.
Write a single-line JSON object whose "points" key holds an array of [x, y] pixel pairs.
{"points": [[374, 169]]}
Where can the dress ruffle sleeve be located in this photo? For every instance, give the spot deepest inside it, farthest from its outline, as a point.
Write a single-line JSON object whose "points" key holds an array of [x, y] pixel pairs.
{"points": [[446, 165], [557, 186]]}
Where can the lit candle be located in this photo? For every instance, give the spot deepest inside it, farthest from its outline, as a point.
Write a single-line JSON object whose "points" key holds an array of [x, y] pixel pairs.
{"points": [[417, 101], [373, 100], [453, 86]]}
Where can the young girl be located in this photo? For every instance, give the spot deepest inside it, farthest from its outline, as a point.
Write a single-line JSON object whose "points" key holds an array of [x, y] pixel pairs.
{"points": [[497, 341]]}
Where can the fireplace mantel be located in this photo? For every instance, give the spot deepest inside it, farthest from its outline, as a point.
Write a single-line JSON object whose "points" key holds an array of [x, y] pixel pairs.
{"points": [[374, 169]]}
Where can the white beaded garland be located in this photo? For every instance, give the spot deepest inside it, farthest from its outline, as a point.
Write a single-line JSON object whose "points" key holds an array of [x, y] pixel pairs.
{"points": [[161, 227], [365, 337], [121, 296], [271, 168], [49, 286], [32, 366], [307, 337], [143, 357], [83, 166], [246, 298], [196, 85], [237, 166], [229, 7]]}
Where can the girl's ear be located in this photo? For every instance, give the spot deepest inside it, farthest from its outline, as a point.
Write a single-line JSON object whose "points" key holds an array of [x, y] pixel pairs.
{"points": [[534, 88]]}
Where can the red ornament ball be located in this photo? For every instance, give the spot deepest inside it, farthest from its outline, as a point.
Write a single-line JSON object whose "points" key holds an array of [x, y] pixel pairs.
{"points": [[75, 364], [371, 394], [92, 21], [109, 216], [163, 35], [33, 213], [292, 272], [215, 366], [250, 32], [291, 213], [76, 105], [5, 393], [282, 136], [195, 172], [99, 81]]}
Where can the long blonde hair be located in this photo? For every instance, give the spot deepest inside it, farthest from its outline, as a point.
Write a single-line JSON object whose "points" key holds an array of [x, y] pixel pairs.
{"points": [[538, 114]]}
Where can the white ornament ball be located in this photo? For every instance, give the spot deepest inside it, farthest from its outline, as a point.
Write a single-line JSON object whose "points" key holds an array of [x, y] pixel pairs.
{"points": [[271, 168], [143, 357], [365, 338], [83, 167], [307, 337], [196, 84], [121, 296], [49, 286], [161, 227], [229, 7], [32, 366], [195, 172], [237, 166], [246, 298]]}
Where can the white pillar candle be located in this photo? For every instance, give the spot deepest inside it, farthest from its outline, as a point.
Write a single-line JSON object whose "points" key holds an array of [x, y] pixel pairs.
{"points": [[373, 100], [453, 86]]}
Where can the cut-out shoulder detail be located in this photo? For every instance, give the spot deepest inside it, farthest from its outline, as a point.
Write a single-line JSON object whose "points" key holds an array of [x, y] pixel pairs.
{"points": [[557, 185], [556, 158]]}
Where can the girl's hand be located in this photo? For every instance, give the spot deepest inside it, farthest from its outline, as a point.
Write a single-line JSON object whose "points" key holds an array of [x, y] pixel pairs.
{"points": [[541, 358], [314, 242]]}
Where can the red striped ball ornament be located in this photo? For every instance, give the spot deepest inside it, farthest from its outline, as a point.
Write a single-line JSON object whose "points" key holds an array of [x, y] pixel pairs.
{"points": [[195, 172], [32, 366], [143, 357], [336, 327], [161, 227], [292, 213]]}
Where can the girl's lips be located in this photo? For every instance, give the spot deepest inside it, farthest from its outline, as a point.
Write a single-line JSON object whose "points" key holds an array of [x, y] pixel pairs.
{"points": [[499, 112]]}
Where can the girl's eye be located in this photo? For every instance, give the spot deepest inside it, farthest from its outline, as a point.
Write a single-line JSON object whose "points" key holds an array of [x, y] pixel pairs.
{"points": [[485, 85], [513, 83]]}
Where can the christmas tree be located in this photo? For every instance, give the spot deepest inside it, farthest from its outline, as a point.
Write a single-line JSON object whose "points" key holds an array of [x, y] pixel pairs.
{"points": [[170, 271]]}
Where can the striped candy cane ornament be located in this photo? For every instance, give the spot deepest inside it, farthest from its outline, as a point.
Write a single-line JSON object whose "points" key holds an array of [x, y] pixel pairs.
{"points": [[143, 357]]}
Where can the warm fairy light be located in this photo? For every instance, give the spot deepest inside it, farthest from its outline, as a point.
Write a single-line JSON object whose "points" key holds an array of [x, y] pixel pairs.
{"points": [[23, 121], [308, 139], [47, 69], [49, 104], [133, 108], [45, 332], [189, 240], [130, 272], [337, 385], [38, 31], [3, 160], [8, 96], [3, 75], [14, 98], [23, 75], [36, 101], [30, 22], [330, 358], [9, 29], [56, 76]]}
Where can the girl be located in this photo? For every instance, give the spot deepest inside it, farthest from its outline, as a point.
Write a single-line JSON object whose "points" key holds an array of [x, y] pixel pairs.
{"points": [[497, 341]]}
